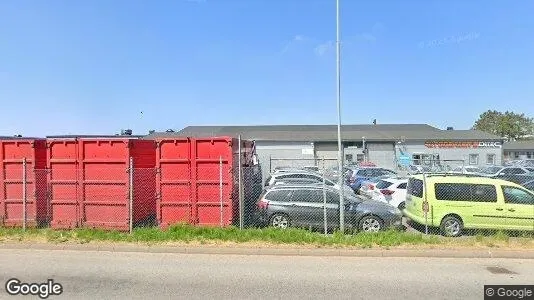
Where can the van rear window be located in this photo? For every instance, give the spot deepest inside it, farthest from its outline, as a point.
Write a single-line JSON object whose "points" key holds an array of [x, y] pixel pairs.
{"points": [[415, 187]]}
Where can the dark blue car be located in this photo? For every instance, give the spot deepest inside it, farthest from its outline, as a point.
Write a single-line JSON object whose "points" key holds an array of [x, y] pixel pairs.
{"points": [[359, 175]]}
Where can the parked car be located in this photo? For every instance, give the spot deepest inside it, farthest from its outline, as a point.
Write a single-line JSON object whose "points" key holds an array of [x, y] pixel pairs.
{"points": [[332, 173], [292, 169], [526, 163], [297, 181], [529, 185], [391, 191], [457, 202], [465, 170], [311, 168], [303, 206], [367, 186], [519, 179], [359, 175], [418, 169], [306, 175], [497, 170]]}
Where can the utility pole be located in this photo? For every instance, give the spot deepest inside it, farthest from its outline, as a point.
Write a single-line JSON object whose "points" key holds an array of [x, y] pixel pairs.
{"points": [[339, 144]]}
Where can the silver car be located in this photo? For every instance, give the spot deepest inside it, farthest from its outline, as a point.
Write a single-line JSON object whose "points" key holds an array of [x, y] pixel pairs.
{"points": [[276, 177]]}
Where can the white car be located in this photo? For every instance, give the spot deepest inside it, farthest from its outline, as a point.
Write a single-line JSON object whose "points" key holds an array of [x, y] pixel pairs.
{"points": [[306, 175], [499, 171], [465, 170], [392, 191], [367, 189]]}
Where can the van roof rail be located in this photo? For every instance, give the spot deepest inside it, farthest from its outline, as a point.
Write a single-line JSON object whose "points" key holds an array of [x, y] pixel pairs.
{"points": [[452, 175]]}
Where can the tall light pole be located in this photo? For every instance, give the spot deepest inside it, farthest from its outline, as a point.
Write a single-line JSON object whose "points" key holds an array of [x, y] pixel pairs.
{"points": [[340, 148]]}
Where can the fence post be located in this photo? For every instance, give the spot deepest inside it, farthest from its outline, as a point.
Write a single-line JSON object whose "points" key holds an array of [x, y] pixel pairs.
{"points": [[425, 202], [221, 188], [240, 187], [324, 201], [131, 195], [24, 195]]}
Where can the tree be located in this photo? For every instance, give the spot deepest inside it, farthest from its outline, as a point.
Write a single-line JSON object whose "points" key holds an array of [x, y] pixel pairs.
{"points": [[508, 125]]}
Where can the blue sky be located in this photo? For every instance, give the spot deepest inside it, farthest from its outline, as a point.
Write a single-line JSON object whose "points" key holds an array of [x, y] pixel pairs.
{"points": [[94, 67]]}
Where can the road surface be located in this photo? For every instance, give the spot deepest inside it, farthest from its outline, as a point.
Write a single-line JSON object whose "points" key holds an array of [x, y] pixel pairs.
{"points": [[112, 275]]}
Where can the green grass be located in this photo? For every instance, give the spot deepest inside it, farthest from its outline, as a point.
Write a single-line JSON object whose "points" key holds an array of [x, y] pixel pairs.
{"points": [[183, 233], [188, 234]]}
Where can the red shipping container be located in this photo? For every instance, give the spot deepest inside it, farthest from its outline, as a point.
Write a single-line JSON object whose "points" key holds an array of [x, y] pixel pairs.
{"points": [[62, 160], [90, 182], [188, 181], [12, 153]]}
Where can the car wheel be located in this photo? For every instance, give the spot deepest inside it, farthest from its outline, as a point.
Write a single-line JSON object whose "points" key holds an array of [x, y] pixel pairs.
{"points": [[370, 224], [280, 221], [402, 205], [451, 226]]}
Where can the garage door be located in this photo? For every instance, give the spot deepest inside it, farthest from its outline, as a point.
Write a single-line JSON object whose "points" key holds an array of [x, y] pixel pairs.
{"points": [[382, 154]]}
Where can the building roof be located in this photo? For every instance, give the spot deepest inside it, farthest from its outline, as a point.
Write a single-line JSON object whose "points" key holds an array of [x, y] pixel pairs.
{"points": [[328, 133], [519, 145]]}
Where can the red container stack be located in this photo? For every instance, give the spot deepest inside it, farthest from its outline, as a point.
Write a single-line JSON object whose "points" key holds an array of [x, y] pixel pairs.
{"points": [[188, 181], [12, 153], [89, 181]]}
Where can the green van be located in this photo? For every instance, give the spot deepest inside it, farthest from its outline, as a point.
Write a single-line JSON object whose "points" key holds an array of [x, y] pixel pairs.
{"points": [[455, 202]]}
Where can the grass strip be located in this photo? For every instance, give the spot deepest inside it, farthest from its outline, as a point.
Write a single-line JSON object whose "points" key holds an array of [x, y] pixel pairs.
{"points": [[192, 234]]}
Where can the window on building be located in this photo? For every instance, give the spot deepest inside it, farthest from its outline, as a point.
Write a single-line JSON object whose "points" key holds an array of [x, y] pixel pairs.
{"points": [[516, 155], [530, 154], [359, 157], [490, 159], [348, 158], [473, 159]]}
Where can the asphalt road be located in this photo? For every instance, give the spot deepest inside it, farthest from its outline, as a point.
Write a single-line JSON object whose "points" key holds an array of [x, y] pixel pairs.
{"points": [[112, 275]]}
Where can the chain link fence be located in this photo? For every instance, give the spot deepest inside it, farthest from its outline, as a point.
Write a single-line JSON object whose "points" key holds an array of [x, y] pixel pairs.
{"points": [[313, 164], [443, 202]]}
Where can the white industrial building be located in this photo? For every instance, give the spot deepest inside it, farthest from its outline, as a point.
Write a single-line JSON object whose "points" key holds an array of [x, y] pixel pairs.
{"points": [[382, 144]]}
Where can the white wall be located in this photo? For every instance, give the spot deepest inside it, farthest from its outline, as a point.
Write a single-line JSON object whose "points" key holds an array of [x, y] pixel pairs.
{"points": [[273, 154]]}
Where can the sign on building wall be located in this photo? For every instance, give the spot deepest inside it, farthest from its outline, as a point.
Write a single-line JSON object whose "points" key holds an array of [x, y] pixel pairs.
{"points": [[464, 145]]}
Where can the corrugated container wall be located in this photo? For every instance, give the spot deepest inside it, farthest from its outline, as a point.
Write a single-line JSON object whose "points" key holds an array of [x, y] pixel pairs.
{"points": [[90, 186], [62, 159], [189, 180], [12, 153]]}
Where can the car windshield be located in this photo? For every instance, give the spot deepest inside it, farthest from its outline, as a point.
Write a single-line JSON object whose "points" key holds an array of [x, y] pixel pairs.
{"points": [[388, 172], [376, 179], [490, 170]]}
